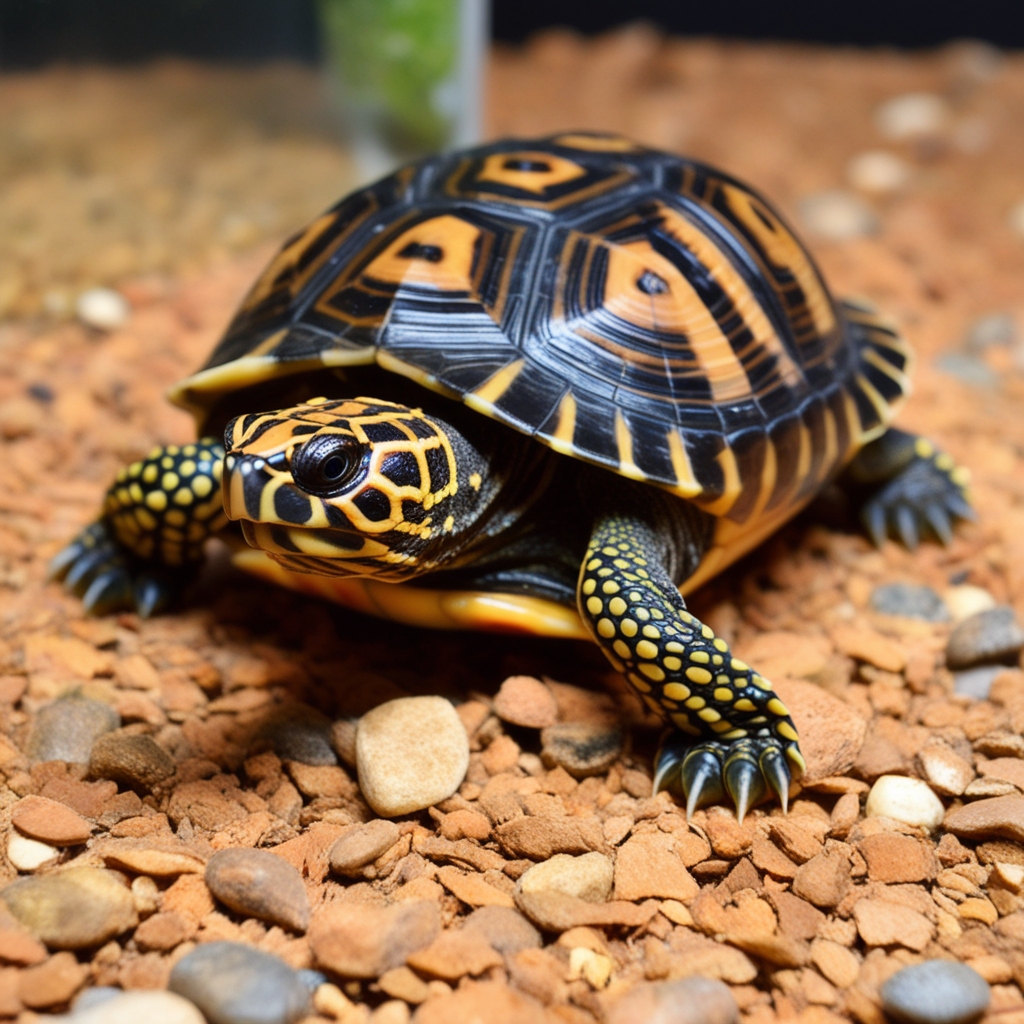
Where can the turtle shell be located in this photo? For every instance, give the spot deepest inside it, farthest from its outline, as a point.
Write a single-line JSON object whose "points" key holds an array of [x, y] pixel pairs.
{"points": [[622, 305]]}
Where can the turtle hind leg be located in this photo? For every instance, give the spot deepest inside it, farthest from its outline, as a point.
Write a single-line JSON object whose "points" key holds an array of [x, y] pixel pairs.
{"points": [[147, 546], [912, 489], [732, 735]]}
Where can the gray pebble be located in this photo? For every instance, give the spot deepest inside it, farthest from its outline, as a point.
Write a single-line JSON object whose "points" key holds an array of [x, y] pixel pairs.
{"points": [[259, 884], [581, 748], [313, 979], [67, 728], [135, 761], [976, 682], [363, 844], [909, 601], [936, 992], [989, 637], [967, 368], [90, 997], [235, 984], [505, 929], [77, 908], [297, 732], [993, 329]]}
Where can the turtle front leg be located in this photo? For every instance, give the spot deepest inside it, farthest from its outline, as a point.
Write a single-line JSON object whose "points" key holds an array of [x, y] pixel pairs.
{"points": [[147, 546], [910, 486], [686, 674]]}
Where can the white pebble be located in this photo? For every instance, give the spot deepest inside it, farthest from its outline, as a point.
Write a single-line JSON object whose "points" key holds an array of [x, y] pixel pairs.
{"points": [[102, 308], [912, 116], [1016, 218], [588, 877], [131, 1007], [838, 216], [878, 172], [964, 601], [28, 854], [410, 753], [908, 800]]}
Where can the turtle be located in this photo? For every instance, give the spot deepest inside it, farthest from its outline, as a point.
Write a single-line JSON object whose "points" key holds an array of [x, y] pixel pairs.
{"points": [[548, 386]]}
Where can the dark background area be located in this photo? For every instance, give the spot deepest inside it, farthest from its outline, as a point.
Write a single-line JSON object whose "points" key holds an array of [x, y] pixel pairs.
{"points": [[37, 32]]}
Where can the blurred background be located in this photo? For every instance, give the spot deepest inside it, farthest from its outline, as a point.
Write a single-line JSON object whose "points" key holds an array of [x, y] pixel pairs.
{"points": [[143, 142]]}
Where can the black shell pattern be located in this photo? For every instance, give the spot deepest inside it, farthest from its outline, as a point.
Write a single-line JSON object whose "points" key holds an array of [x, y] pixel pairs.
{"points": [[628, 307]]}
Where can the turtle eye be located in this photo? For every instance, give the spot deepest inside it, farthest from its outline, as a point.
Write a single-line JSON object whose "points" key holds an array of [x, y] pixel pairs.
{"points": [[326, 465]]}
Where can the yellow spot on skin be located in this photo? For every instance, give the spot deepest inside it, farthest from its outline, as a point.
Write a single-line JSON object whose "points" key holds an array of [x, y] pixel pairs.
{"points": [[707, 632], [671, 663], [716, 659], [645, 649], [676, 691], [961, 476], [776, 707], [620, 563], [701, 657], [589, 586], [656, 613], [923, 448], [617, 606], [611, 587], [187, 468], [723, 679], [652, 672], [135, 491], [605, 572], [698, 675], [621, 649], [944, 462], [144, 519], [760, 682], [635, 596], [642, 614], [449, 523], [720, 644], [475, 481], [201, 486], [786, 731], [744, 704], [723, 694], [189, 450], [694, 703], [172, 449], [169, 481], [610, 552], [135, 469], [641, 684], [123, 497], [156, 500], [606, 628], [594, 605], [593, 564], [167, 462], [675, 647], [734, 734], [183, 496], [709, 715], [628, 627], [218, 470], [149, 474], [739, 666], [652, 632], [176, 517]]}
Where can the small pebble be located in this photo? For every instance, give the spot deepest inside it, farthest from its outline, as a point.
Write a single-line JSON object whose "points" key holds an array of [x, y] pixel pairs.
{"points": [[964, 601], [49, 821], [362, 845], [581, 748], [29, 854], [102, 308], [588, 877], [117, 1007], [992, 330], [995, 817], [76, 908], [410, 753], [877, 172], [297, 732], [984, 638], [689, 1001], [909, 601], [67, 728], [945, 770], [505, 929], [523, 700], [259, 884], [232, 983], [976, 682], [936, 992], [135, 761], [968, 368], [908, 800], [913, 115], [838, 216]]}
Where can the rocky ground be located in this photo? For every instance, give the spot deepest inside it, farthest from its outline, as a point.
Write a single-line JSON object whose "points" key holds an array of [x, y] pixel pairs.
{"points": [[180, 799]]}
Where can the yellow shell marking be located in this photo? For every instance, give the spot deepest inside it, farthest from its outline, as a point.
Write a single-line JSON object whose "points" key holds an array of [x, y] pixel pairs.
{"points": [[698, 675]]}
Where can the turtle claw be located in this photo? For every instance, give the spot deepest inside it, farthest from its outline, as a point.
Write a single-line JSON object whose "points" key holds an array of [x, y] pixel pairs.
{"points": [[108, 592], [702, 778], [777, 774], [744, 782], [670, 757]]}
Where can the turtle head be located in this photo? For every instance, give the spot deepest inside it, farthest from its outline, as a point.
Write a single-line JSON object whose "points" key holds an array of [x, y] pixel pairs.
{"points": [[353, 487]]}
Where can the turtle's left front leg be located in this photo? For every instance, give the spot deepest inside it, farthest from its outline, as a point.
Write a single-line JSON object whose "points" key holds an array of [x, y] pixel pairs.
{"points": [[746, 740]]}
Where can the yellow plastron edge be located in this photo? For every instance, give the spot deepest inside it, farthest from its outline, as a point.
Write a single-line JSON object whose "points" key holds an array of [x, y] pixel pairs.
{"points": [[420, 606]]}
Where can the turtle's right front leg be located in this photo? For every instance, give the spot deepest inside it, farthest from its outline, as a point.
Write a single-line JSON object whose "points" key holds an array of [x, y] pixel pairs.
{"points": [[148, 544]]}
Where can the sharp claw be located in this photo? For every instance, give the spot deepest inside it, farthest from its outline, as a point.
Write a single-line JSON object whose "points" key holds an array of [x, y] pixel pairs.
{"points": [[80, 575], [874, 522], [906, 525], [938, 520], [109, 592], [744, 783], [702, 780], [151, 596], [62, 562], [957, 504], [668, 759], [773, 767]]}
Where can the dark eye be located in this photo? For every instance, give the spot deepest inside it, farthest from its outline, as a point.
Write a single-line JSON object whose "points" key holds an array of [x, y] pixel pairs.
{"points": [[326, 465]]}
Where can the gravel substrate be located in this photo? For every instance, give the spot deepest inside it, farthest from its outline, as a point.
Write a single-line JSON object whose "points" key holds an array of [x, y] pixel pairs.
{"points": [[181, 805]]}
